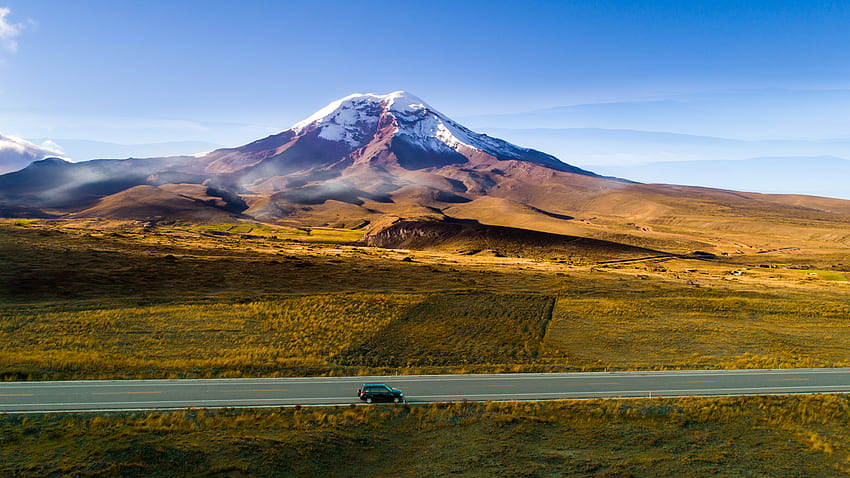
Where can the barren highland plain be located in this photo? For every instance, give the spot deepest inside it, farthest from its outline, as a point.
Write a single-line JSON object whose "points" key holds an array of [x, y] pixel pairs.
{"points": [[591, 201]]}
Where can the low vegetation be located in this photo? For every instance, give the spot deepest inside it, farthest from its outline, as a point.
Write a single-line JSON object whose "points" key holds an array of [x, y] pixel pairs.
{"points": [[91, 300], [286, 336], [325, 235], [836, 276], [459, 329], [103, 300], [697, 328], [753, 436]]}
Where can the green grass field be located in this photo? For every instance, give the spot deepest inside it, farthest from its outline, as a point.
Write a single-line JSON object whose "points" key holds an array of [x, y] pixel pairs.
{"points": [[827, 275], [836, 276]]}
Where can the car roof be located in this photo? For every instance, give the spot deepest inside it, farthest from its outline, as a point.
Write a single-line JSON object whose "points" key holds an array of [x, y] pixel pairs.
{"points": [[375, 385]]}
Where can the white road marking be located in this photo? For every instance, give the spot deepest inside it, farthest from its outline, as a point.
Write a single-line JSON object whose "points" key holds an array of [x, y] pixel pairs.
{"points": [[431, 378], [632, 393], [572, 382]]}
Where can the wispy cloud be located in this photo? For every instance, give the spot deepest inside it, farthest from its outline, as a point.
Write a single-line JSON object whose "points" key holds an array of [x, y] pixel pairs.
{"points": [[16, 153], [9, 31], [22, 146], [52, 146]]}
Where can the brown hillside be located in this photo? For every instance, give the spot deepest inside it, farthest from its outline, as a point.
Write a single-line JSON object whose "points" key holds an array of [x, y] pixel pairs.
{"points": [[470, 237], [190, 202]]}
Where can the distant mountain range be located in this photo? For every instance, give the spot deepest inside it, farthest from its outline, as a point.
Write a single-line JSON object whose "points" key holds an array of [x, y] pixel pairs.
{"points": [[371, 161], [84, 150]]}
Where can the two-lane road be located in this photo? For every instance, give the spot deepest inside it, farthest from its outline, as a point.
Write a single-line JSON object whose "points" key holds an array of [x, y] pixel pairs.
{"points": [[103, 395]]}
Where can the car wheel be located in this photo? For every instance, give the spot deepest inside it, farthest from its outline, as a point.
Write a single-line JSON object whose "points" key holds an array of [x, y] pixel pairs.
{"points": [[396, 400], [369, 400]]}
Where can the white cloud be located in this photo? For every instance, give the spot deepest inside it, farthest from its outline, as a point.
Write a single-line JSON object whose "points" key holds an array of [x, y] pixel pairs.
{"points": [[11, 146], [21, 146], [51, 146], [9, 31], [16, 153]]}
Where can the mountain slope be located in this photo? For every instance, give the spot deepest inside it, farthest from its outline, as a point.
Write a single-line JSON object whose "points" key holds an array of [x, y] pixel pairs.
{"points": [[370, 160], [54, 183], [357, 149]]}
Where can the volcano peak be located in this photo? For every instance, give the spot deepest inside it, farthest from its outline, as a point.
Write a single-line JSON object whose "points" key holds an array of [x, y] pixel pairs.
{"points": [[349, 119], [358, 119]]}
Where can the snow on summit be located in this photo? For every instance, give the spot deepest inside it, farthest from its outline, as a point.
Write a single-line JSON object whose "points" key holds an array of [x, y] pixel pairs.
{"points": [[346, 119], [353, 120], [341, 110]]}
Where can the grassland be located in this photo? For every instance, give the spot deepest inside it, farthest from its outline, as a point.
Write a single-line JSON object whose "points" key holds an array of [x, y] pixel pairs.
{"points": [[99, 299], [94, 300], [453, 329], [699, 437], [701, 328], [324, 235], [289, 335], [836, 276]]}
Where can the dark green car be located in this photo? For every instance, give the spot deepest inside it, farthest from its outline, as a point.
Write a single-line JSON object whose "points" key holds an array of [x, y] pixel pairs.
{"points": [[379, 392]]}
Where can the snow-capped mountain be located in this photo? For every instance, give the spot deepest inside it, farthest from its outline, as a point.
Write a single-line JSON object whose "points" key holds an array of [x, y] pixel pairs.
{"points": [[362, 128], [356, 119], [372, 161], [364, 148]]}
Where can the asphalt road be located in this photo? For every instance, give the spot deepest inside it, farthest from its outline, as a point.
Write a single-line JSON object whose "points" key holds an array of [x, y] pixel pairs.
{"points": [[103, 395]]}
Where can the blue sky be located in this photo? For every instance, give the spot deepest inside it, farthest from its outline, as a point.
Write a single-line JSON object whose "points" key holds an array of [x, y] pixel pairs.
{"points": [[229, 72]]}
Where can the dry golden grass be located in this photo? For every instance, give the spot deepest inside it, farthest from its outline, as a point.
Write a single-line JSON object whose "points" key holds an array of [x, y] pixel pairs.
{"points": [[698, 437], [325, 235], [93, 299], [286, 336], [701, 329], [459, 330]]}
